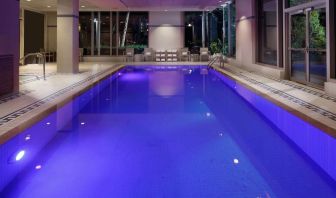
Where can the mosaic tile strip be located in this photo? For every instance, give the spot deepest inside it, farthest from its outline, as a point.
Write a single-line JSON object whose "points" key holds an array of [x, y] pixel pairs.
{"points": [[310, 91], [286, 96], [14, 96], [303, 88], [28, 108]]}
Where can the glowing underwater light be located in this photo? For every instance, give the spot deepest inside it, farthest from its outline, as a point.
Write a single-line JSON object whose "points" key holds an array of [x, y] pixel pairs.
{"points": [[20, 155], [27, 137]]}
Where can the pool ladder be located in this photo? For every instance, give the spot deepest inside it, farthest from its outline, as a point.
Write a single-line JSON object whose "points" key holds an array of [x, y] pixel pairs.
{"points": [[38, 55], [215, 59]]}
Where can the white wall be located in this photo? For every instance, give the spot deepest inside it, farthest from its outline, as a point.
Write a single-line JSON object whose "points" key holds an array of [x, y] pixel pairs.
{"points": [[166, 30]]}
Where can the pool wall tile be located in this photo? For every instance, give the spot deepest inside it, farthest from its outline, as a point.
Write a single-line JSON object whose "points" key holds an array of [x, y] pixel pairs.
{"points": [[41, 133], [316, 144]]}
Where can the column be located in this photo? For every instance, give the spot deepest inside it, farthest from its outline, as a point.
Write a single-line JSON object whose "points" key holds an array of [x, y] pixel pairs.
{"points": [[67, 36], [203, 29]]}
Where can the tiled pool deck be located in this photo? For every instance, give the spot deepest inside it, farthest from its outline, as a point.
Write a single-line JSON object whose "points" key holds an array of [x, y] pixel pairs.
{"points": [[37, 98]]}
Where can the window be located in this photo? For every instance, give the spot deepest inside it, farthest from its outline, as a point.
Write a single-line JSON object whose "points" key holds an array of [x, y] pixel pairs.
{"points": [[267, 32], [105, 33], [137, 31], [96, 35], [215, 30], [193, 30], [85, 21], [108, 33], [229, 29]]}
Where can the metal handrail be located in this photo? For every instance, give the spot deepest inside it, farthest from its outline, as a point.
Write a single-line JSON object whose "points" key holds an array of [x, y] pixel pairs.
{"points": [[38, 55], [214, 60], [211, 62]]}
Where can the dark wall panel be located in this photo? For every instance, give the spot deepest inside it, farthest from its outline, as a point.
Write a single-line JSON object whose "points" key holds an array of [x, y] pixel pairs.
{"points": [[7, 78], [9, 46], [34, 32]]}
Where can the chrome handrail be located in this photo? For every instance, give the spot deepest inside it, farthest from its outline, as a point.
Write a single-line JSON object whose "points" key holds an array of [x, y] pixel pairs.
{"points": [[214, 60], [38, 55]]}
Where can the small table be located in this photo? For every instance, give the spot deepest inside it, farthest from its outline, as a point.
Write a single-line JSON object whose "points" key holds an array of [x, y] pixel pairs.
{"points": [[194, 57]]}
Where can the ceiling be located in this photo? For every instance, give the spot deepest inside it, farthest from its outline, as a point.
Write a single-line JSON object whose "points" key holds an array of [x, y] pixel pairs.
{"points": [[135, 5]]}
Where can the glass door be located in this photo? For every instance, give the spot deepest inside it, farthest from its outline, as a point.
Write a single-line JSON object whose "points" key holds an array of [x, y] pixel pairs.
{"points": [[317, 53], [308, 46], [298, 46]]}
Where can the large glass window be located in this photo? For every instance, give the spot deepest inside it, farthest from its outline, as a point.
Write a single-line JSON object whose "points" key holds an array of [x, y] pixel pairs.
{"points": [[109, 33], [85, 24], [137, 31], [96, 35], [216, 30], [114, 33], [229, 29], [267, 32], [193, 30], [122, 22], [105, 33]]}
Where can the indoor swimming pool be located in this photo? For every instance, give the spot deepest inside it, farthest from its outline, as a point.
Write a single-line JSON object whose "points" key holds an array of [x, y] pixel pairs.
{"points": [[169, 131]]}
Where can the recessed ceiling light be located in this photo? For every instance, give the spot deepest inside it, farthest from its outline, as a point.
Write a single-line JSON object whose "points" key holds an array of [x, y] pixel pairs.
{"points": [[28, 0], [83, 6], [49, 6]]}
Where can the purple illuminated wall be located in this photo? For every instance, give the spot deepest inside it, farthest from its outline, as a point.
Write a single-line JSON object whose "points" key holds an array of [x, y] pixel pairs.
{"points": [[9, 45], [316, 144]]}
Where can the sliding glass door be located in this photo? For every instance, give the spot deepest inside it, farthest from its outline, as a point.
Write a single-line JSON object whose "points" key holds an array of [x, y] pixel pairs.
{"points": [[307, 47]]}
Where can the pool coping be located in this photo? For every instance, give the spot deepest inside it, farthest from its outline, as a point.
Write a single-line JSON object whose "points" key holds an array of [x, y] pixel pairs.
{"points": [[58, 100], [309, 119]]}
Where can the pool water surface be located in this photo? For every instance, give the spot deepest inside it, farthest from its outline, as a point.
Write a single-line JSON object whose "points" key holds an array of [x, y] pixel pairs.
{"points": [[165, 132]]}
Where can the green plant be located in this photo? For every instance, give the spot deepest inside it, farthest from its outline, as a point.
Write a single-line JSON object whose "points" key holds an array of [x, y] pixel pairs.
{"points": [[216, 47]]}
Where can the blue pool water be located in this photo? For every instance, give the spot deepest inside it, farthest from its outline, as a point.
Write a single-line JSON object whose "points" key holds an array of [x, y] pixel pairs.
{"points": [[169, 132]]}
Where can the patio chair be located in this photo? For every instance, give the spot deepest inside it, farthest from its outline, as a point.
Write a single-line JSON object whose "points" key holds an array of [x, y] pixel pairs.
{"points": [[204, 54], [184, 54], [129, 54], [148, 54]]}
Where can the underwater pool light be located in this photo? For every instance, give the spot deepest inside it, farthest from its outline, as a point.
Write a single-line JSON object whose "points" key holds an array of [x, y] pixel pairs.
{"points": [[27, 138], [235, 161], [20, 155]]}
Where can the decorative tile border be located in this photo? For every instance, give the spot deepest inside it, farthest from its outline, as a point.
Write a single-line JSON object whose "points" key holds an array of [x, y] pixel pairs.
{"points": [[310, 91], [28, 108], [14, 96], [282, 94], [301, 88]]}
